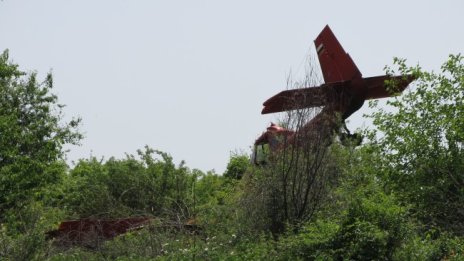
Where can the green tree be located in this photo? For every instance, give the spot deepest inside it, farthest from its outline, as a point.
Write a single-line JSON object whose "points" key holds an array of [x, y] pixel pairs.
{"points": [[421, 144], [237, 166], [32, 135]]}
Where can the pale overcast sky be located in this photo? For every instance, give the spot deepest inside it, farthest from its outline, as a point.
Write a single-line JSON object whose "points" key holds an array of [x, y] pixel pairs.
{"points": [[189, 77]]}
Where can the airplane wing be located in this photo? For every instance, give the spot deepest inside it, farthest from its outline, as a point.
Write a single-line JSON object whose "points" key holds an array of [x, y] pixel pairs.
{"points": [[295, 99], [336, 64], [378, 87], [303, 98]]}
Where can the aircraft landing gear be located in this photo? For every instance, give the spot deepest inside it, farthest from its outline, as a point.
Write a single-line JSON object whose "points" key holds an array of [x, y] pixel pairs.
{"points": [[348, 139]]}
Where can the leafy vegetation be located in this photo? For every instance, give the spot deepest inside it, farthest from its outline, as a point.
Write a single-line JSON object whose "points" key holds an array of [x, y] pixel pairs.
{"points": [[398, 196], [422, 145], [32, 136]]}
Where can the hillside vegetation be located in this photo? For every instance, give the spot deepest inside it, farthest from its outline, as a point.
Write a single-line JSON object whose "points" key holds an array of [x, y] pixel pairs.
{"points": [[398, 196]]}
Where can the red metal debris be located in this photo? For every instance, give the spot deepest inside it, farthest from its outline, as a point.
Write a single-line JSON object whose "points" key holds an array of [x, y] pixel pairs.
{"points": [[89, 230]]}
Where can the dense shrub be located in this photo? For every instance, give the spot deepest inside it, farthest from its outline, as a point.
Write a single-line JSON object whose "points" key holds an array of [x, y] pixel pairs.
{"points": [[129, 186], [23, 236]]}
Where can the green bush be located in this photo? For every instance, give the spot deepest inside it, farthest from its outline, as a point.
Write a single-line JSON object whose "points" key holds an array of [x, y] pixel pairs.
{"points": [[237, 166], [313, 242], [123, 187], [372, 229], [23, 236]]}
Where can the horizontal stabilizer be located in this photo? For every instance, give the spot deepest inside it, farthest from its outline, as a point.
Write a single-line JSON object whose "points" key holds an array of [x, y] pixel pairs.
{"points": [[386, 86]]}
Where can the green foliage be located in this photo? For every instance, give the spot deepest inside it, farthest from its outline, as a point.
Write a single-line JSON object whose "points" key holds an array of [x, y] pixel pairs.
{"points": [[237, 166], [32, 135], [421, 146], [289, 190], [215, 197], [361, 222], [147, 185], [313, 242], [372, 229], [23, 237], [429, 247], [148, 243], [87, 180], [78, 254]]}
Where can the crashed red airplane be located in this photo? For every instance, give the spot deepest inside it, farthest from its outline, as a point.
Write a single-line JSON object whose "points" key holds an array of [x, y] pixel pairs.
{"points": [[343, 93]]}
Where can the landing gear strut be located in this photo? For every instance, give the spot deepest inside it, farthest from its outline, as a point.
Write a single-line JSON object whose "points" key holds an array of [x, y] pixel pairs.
{"points": [[349, 139]]}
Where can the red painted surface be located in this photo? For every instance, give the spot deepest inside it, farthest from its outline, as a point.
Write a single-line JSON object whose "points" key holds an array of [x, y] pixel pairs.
{"points": [[87, 231], [336, 64], [271, 135]]}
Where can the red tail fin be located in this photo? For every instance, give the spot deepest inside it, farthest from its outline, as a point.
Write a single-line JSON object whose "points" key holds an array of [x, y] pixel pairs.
{"points": [[336, 64]]}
